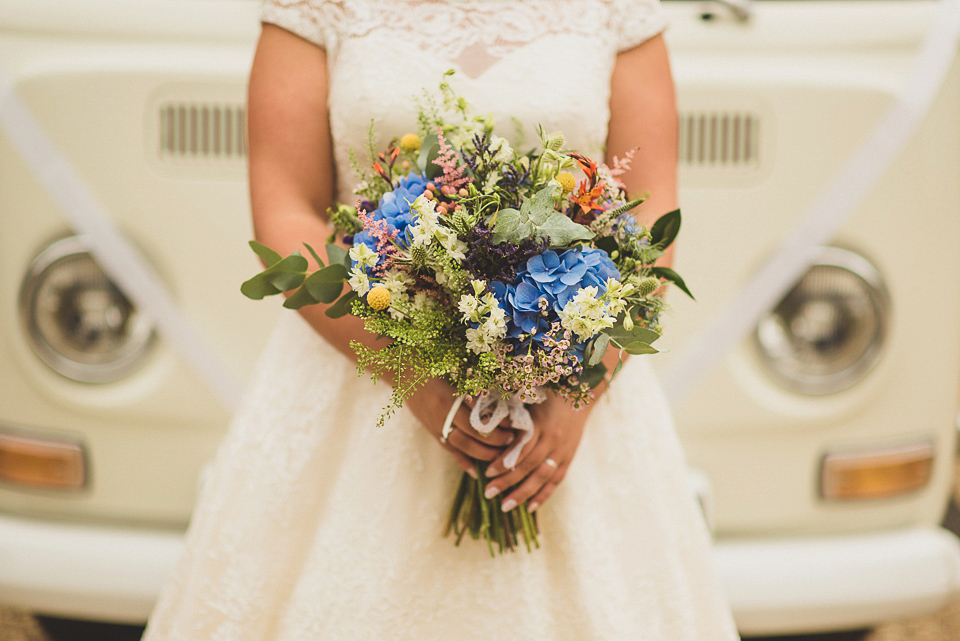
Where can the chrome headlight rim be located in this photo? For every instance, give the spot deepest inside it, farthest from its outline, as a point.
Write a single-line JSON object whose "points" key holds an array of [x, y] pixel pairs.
{"points": [[860, 267], [143, 336]]}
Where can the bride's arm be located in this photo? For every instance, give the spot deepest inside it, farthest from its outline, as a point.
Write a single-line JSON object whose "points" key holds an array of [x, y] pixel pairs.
{"points": [[643, 115], [292, 178]]}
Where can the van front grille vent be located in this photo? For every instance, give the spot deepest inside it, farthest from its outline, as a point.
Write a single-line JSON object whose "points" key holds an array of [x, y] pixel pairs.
{"points": [[202, 131], [719, 139]]}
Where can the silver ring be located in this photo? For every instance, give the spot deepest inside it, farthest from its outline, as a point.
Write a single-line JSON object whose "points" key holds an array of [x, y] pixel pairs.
{"points": [[551, 463]]}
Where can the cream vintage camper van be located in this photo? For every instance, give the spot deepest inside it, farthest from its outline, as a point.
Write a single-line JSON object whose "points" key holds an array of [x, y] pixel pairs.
{"points": [[821, 443]]}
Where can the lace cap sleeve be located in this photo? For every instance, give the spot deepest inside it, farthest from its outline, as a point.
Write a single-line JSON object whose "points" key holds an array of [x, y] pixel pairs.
{"points": [[306, 18], [635, 21]]}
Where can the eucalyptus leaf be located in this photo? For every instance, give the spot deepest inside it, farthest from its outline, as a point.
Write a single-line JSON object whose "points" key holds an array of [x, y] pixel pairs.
{"points": [[599, 349], [267, 255], [300, 298], [622, 337], [538, 218], [258, 287], [540, 207], [429, 151], [326, 284], [425, 146], [639, 347], [289, 273], [334, 273], [342, 306], [562, 231], [315, 255], [616, 370], [337, 255], [665, 230], [673, 277]]}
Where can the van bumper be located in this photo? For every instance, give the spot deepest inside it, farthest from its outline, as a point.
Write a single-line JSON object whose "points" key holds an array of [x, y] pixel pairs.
{"points": [[820, 584], [797, 585]]}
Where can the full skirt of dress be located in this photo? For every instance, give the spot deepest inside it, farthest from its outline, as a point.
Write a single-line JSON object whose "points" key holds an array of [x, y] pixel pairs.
{"points": [[315, 524]]}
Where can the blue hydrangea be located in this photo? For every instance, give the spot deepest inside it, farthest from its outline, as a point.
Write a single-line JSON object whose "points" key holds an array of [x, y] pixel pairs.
{"points": [[545, 284], [395, 209]]}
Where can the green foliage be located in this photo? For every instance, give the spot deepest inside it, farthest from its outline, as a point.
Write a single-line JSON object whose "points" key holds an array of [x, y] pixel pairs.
{"points": [[283, 275], [337, 255], [315, 255], [597, 348], [343, 306], [622, 337], [267, 255], [593, 376], [665, 230], [429, 151], [537, 218], [672, 276]]}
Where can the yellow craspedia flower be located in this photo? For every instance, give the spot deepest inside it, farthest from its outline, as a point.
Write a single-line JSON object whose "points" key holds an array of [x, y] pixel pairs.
{"points": [[410, 142], [567, 181], [378, 297]]}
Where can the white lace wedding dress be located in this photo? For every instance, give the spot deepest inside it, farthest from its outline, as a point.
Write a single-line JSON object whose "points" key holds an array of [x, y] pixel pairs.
{"points": [[317, 525]]}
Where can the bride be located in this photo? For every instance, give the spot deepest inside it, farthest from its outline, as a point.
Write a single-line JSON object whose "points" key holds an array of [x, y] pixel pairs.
{"points": [[314, 523]]}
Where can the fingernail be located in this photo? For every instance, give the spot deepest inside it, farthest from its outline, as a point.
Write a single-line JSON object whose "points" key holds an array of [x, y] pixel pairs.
{"points": [[532, 507], [472, 472], [491, 492], [508, 505]]}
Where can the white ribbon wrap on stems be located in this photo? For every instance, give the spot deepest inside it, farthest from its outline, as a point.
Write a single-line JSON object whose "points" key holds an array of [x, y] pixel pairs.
{"points": [[488, 413]]}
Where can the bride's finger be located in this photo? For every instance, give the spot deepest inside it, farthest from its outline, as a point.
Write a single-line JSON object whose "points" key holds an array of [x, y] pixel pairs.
{"points": [[541, 497], [499, 437], [537, 482], [462, 460], [497, 467], [471, 447], [525, 466]]}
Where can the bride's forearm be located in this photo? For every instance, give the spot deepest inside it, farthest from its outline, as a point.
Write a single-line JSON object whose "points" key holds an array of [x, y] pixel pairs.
{"points": [[643, 117]]}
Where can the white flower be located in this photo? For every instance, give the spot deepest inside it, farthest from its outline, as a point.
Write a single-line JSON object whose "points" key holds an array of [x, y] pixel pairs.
{"points": [[424, 208], [421, 301], [468, 306], [616, 293], [455, 247], [497, 315], [364, 256], [586, 315], [397, 282], [479, 340], [504, 152], [359, 281]]}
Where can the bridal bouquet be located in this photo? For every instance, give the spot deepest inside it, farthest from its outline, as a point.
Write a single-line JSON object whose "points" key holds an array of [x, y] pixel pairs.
{"points": [[507, 273]]}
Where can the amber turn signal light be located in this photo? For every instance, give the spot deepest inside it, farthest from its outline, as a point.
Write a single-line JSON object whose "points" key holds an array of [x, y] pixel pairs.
{"points": [[875, 474], [40, 462]]}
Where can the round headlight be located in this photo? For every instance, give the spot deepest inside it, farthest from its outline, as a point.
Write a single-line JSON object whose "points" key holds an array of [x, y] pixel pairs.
{"points": [[828, 331], [77, 321]]}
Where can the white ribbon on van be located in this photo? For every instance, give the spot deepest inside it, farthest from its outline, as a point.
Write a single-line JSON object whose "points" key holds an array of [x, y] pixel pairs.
{"points": [[800, 248], [118, 257]]}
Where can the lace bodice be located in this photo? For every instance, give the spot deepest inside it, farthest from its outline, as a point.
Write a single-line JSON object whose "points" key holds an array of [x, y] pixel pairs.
{"points": [[528, 62]]}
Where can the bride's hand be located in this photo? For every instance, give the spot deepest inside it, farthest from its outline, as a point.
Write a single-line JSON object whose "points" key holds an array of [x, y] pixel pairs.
{"points": [[544, 460], [430, 404]]}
